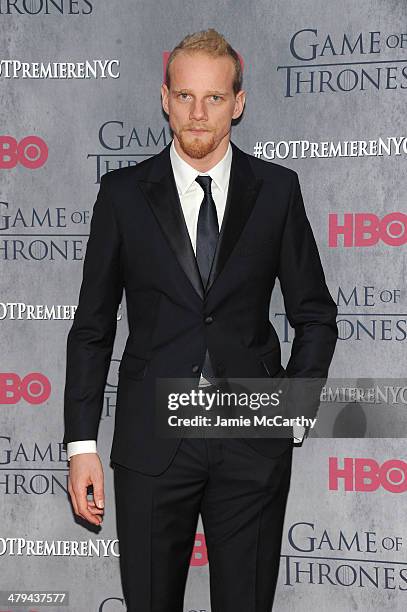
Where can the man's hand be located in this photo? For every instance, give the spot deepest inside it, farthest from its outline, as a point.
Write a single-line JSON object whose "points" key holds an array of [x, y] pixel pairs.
{"points": [[86, 469]]}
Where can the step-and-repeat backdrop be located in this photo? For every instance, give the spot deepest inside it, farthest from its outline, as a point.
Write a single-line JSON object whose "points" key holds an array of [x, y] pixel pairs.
{"points": [[80, 96]]}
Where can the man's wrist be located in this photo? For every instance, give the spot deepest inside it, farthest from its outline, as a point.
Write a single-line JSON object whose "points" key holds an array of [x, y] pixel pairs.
{"points": [[80, 446], [298, 433]]}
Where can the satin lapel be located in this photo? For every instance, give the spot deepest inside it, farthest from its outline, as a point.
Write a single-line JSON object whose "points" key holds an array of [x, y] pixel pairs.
{"points": [[162, 195], [243, 190]]}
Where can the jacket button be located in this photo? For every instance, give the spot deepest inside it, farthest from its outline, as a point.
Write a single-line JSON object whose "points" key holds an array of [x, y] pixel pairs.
{"points": [[208, 320], [195, 368]]}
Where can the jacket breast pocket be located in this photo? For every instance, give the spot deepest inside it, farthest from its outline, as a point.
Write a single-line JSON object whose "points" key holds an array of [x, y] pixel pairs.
{"points": [[133, 367], [262, 247]]}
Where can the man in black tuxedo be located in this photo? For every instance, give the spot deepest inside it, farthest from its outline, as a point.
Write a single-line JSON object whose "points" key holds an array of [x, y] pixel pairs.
{"points": [[197, 236]]}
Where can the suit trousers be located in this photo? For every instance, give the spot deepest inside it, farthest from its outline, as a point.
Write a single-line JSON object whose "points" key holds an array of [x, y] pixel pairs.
{"points": [[241, 496]]}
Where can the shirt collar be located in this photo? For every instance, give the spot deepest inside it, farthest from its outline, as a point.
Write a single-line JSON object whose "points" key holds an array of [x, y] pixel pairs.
{"points": [[185, 174]]}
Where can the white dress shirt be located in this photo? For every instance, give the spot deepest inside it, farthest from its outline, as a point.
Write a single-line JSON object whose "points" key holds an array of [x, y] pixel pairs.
{"points": [[190, 195]]}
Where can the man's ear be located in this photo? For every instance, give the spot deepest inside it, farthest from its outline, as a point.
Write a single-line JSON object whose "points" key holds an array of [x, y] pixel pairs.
{"points": [[164, 97], [239, 104]]}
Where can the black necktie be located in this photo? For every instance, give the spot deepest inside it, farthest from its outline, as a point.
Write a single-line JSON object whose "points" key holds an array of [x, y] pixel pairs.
{"points": [[207, 230], [206, 240]]}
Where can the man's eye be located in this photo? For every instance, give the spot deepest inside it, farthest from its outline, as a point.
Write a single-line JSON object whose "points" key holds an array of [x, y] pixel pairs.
{"points": [[217, 97], [183, 96]]}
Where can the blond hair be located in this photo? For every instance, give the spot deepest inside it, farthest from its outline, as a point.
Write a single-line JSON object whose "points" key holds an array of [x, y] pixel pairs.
{"points": [[210, 42]]}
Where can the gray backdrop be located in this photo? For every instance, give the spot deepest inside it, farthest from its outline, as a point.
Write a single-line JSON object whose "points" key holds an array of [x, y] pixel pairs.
{"points": [[317, 71]]}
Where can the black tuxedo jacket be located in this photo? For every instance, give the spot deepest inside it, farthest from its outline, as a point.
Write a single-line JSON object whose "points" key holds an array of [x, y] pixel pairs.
{"points": [[139, 242]]}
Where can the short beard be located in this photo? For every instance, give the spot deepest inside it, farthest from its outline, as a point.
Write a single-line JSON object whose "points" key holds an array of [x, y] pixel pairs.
{"points": [[197, 148]]}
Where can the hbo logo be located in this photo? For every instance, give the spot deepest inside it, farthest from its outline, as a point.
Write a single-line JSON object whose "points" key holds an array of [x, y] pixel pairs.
{"points": [[31, 152]]}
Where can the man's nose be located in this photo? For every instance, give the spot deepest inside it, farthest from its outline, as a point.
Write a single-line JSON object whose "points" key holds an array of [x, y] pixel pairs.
{"points": [[198, 110]]}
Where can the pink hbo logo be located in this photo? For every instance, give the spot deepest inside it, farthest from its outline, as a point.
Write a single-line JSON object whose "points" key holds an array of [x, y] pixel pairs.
{"points": [[367, 475], [31, 152], [34, 388], [366, 229]]}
